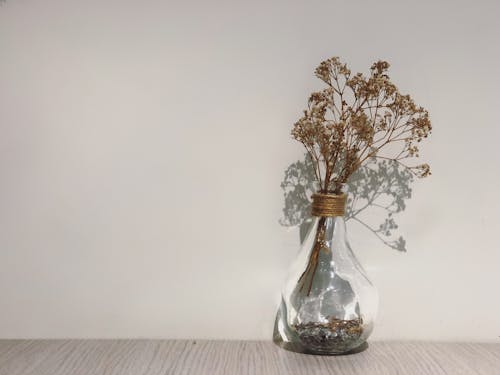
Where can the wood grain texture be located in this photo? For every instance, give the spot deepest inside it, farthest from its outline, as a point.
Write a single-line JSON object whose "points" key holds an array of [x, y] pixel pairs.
{"points": [[172, 357]]}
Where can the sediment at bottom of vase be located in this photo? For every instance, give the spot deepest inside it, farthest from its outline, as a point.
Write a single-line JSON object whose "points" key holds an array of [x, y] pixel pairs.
{"points": [[335, 336]]}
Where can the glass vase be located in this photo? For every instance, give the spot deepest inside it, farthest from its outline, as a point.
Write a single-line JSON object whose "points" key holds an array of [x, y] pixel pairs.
{"points": [[328, 303]]}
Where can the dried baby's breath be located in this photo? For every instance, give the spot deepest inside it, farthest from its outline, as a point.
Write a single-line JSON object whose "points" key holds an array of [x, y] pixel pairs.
{"points": [[355, 118]]}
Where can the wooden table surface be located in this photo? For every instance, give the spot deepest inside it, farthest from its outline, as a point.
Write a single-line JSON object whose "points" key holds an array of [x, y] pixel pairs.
{"points": [[148, 357]]}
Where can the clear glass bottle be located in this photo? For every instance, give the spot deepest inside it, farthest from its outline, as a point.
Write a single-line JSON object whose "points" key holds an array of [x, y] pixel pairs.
{"points": [[328, 304]]}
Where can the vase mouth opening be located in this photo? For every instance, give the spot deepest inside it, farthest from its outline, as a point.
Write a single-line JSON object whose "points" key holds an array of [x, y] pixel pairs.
{"points": [[328, 204]]}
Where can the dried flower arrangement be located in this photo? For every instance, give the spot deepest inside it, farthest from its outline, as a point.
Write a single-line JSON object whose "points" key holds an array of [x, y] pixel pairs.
{"points": [[355, 123], [353, 120], [357, 118]]}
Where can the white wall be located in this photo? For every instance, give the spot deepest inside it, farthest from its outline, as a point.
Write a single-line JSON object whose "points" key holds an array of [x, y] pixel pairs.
{"points": [[142, 146]]}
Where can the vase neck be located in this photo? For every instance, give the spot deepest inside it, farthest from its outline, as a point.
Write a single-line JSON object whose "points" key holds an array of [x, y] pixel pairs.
{"points": [[328, 205]]}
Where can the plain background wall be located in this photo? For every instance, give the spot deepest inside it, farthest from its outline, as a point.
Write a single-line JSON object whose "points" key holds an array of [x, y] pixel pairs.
{"points": [[143, 143]]}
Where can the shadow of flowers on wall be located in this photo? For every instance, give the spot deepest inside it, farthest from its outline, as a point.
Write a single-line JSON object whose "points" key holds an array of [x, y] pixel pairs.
{"points": [[383, 186]]}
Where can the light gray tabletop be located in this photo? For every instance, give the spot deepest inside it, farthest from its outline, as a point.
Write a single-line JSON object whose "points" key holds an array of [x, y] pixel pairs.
{"points": [[148, 357]]}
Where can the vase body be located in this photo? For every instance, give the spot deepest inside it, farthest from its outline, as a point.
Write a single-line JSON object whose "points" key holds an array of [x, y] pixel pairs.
{"points": [[328, 303]]}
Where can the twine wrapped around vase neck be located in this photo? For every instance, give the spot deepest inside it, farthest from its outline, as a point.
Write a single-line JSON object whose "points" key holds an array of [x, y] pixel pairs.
{"points": [[328, 204]]}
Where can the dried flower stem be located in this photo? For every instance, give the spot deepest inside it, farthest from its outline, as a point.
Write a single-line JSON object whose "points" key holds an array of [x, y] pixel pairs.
{"points": [[319, 244]]}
